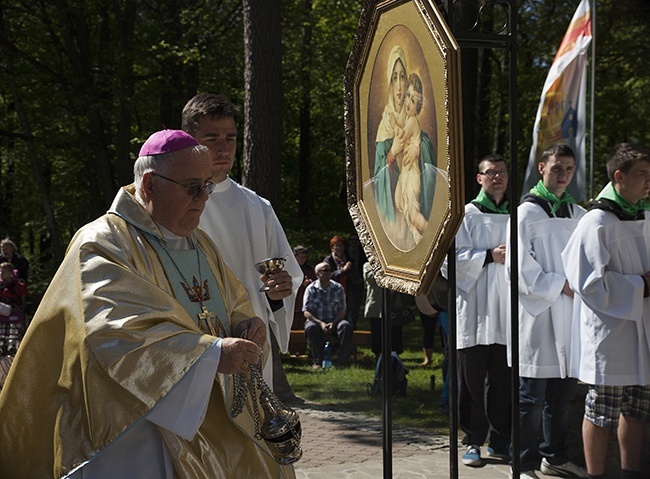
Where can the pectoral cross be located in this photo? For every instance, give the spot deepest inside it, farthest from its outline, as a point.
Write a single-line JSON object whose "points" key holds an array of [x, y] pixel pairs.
{"points": [[210, 324]]}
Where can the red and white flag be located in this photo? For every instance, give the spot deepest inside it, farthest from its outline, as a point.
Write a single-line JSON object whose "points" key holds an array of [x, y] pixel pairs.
{"points": [[561, 116]]}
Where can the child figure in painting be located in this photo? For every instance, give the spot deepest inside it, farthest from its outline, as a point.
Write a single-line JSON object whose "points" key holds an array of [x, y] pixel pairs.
{"points": [[407, 190]]}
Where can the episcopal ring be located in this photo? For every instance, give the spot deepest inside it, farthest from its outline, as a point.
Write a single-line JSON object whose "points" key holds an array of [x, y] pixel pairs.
{"points": [[244, 365]]}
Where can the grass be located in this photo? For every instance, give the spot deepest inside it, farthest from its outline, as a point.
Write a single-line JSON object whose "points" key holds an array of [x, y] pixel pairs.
{"points": [[347, 389]]}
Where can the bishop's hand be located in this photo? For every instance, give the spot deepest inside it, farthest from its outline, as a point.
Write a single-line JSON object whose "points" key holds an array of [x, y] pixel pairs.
{"points": [[237, 355], [252, 329]]}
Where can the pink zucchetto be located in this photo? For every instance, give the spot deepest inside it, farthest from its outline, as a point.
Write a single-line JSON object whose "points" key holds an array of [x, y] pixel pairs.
{"points": [[166, 141]]}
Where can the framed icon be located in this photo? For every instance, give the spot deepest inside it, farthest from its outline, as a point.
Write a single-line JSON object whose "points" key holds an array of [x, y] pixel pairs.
{"points": [[404, 141]]}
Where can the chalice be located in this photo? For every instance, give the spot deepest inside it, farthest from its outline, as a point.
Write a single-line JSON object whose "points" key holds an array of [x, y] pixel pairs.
{"points": [[269, 267]]}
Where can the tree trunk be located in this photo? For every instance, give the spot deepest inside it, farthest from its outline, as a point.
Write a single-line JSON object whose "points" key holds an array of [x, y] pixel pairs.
{"points": [[57, 246], [469, 62], [90, 91], [304, 153], [126, 28], [263, 98]]}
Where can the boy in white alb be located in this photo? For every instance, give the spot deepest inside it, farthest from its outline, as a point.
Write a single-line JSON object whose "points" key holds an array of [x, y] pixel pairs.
{"points": [[607, 261], [547, 217], [482, 314], [246, 230]]}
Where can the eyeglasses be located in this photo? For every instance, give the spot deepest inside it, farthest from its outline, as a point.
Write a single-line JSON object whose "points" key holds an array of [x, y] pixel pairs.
{"points": [[192, 190], [494, 173], [325, 270]]}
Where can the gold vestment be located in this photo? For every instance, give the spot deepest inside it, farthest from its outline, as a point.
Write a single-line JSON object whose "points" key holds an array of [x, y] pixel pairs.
{"points": [[107, 343]]}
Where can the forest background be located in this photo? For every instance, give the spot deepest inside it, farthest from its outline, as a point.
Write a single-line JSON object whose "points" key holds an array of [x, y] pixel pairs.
{"points": [[83, 83]]}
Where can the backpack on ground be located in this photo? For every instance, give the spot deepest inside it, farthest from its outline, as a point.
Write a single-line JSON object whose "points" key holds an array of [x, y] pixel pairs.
{"points": [[399, 381]]}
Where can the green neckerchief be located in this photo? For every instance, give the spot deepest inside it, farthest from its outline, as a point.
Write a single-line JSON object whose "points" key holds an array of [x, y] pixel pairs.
{"points": [[610, 193], [484, 200], [542, 191]]}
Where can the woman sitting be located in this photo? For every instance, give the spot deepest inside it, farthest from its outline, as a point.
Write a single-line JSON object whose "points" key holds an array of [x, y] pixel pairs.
{"points": [[12, 300]]}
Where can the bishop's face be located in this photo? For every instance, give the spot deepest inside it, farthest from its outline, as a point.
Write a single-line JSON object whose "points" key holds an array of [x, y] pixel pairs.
{"points": [[168, 201]]}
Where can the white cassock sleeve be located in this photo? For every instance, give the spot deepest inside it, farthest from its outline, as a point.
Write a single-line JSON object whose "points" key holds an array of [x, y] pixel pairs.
{"points": [[183, 410], [469, 258], [140, 451], [253, 233]]}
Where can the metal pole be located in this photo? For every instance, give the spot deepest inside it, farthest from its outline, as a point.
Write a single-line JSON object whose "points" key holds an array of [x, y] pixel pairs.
{"points": [[453, 363], [451, 301], [514, 280], [593, 101], [387, 405]]}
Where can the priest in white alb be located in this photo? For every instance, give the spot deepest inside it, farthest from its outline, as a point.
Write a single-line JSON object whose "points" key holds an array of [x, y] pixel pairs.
{"points": [[246, 230]]}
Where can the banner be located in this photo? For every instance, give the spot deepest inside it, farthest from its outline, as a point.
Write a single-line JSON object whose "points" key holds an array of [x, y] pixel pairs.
{"points": [[561, 116]]}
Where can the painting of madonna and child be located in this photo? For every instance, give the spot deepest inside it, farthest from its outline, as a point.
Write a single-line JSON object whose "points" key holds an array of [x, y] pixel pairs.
{"points": [[402, 139]]}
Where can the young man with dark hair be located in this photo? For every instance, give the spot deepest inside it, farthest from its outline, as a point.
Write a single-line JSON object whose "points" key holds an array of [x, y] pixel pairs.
{"points": [[607, 262], [547, 217], [246, 230], [482, 313]]}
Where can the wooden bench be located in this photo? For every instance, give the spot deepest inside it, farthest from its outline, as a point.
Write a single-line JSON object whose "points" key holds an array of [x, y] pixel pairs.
{"points": [[298, 342]]}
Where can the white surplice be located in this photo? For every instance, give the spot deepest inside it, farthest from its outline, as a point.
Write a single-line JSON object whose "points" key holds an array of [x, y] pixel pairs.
{"points": [[140, 451], [545, 313], [481, 290], [604, 261], [246, 230]]}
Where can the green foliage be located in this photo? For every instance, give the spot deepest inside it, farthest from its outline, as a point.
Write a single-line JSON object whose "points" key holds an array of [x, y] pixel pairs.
{"points": [[90, 97], [622, 102], [317, 68], [83, 83]]}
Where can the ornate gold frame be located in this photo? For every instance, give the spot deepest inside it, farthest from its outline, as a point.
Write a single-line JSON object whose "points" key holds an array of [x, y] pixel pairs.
{"points": [[404, 255]]}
